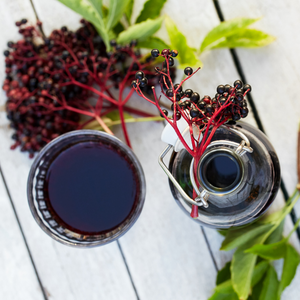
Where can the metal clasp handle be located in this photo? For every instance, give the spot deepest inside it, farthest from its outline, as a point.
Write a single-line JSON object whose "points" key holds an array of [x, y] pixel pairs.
{"points": [[198, 200]]}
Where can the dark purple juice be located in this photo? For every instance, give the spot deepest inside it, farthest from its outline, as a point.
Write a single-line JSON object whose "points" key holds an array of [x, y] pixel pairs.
{"points": [[91, 188]]}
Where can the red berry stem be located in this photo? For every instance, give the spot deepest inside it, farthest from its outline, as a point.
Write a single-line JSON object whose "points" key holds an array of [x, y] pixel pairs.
{"points": [[205, 115]]}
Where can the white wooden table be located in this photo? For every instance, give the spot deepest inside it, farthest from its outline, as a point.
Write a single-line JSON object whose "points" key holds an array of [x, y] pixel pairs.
{"points": [[165, 255]]}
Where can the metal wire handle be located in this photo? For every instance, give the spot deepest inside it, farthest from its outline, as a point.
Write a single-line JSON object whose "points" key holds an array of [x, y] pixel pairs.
{"points": [[202, 196]]}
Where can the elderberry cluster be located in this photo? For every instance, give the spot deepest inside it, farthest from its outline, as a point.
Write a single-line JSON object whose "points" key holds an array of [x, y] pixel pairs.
{"points": [[228, 104], [49, 80]]}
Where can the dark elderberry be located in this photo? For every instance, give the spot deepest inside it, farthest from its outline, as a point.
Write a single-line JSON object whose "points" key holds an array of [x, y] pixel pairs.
{"points": [[139, 75], [187, 104], [65, 54], [236, 117], [183, 105], [165, 112], [188, 93], [176, 86], [174, 53], [178, 96], [238, 84], [113, 43], [133, 84], [155, 52], [239, 91], [222, 100], [188, 71], [177, 115], [169, 93], [64, 29], [243, 103], [133, 43], [171, 62], [208, 108], [33, 82], [10, 44], [244, 111], [24, 21], [194, 113], [143, 82], [6, 53], [239, 96], [247, 88], [202, 105], [227, 87], [195, 97], [221, 89]]}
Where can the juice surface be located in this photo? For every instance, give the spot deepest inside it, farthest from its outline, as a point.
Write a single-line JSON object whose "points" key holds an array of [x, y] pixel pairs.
{"points": [[91, 187]]}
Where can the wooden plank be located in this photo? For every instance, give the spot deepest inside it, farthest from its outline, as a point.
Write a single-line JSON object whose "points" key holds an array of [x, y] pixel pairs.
{"points": [[65, 273], [17, 276], [273, 74]]}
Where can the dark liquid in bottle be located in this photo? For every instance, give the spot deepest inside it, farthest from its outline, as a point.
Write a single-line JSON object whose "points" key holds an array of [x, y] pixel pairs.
{"points": [[91, 188], [220, 171]]}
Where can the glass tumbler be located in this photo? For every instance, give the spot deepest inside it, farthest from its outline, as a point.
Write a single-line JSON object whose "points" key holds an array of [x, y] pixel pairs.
{"points": [[41, 208]]}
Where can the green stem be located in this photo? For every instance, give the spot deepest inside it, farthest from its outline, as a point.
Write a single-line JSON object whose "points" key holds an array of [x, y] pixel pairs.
{"points": [[95, 125]]}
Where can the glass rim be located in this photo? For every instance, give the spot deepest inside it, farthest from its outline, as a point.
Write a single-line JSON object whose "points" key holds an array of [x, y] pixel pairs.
{"points": [[111, 139]]}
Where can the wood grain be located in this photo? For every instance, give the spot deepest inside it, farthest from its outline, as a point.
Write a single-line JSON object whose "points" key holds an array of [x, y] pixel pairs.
{"points": [[16, 268], [166, 252]]}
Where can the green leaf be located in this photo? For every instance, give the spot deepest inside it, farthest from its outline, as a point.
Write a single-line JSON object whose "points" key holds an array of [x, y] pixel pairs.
{"points": [[224, 291], [118, 28], [276, 235], [270, 251], [140, 31], [238, 237], [178, 40], [128, 11], [223, 232], [291, 262], [270, 285], [91, 10], [224, 274], [97, 4], [153, 43], [151, 10], [245, 38], [225, 29], [259, 271], [115, 11], [256, 291], [242, 267]]}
